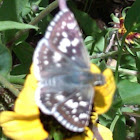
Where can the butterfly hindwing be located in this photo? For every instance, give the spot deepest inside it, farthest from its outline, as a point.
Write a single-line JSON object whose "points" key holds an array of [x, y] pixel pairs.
{"points": [[71, 108], [74, 112]]}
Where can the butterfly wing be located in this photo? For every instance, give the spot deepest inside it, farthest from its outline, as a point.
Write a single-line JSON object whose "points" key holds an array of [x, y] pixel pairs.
{"points": [[61, 47], [70, 108], [75, 111], [64, 33], [49, 63], [61, 52]]}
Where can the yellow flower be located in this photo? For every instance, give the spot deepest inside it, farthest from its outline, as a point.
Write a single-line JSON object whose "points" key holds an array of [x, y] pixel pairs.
{"points": [[98, 131], [24, 122]]}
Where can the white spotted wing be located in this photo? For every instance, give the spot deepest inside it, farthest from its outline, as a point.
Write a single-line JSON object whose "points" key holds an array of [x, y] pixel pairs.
{"points": [[60, 61]]}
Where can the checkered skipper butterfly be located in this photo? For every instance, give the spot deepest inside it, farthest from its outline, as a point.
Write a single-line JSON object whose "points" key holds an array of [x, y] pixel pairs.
{"points": [[62, 68]]}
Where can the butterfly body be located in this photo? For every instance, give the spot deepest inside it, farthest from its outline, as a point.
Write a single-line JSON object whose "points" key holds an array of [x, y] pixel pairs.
{"points": [[62, 68]]}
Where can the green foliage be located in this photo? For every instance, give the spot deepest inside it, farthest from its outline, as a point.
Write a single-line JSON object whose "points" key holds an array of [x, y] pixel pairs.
{"points": [[120, 129], [17, 45], [8, 25], [84, 19], [5, 60], [132, 21], [129, 92]]}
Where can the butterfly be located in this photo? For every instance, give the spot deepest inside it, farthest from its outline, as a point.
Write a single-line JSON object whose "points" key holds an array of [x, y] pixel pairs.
{"points": [[62, 68]]}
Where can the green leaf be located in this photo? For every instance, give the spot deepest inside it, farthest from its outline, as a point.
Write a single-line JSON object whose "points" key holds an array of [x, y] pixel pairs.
{"points": [[20, 6], [106, 118], [119, 132], [16, 79], [129, 92], [8, 9], [24, 53], [21, 69], [114, 18], [88, 24], [58, 135], [88, 42], [5, 60], [8, 25], [126, 109], [132, 20], [12, 9], [98, 47]]}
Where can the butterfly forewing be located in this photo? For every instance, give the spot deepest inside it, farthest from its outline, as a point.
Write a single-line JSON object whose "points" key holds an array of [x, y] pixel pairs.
{"points": [[48, 62], [62, 40], [65, 37]]}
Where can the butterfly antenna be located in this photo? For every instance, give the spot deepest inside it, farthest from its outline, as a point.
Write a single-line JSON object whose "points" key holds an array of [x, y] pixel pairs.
{"points": [[62, 4]]}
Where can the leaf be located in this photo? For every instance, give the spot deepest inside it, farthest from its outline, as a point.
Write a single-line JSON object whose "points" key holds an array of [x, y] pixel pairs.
{"points": [[12, 9], [129, 92], [5, 60], [119, 132], [8, 9], [88, 24], [88, 42], [20, 6], [132, 20], [24, 53], [21, 69], [8, 25], [106, 118]]}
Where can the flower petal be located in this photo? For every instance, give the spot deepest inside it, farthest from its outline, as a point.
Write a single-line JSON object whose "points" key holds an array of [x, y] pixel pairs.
{"points": [[19, 127], [25, 103], [24, 123], [102, 131], [104, 94], [99, 132], [94, 68]]}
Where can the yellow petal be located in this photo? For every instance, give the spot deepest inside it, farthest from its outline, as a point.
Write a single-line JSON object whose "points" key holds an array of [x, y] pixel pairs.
{"points": [[104, 94], [94, 68], [25, 103], [102, 131], [94, 117], [99, 131], [131, 41], [127, 41], [89, 134], [24, 123], [20, 127]]}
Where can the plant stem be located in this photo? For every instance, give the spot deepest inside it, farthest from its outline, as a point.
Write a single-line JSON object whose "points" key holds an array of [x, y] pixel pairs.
{"points": [[86, 4], [37, 19], [133, 114], [8, 85], [113, 53], [16, 80], [43, 13], [112, 126], [125, 71], [119, 57]]}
